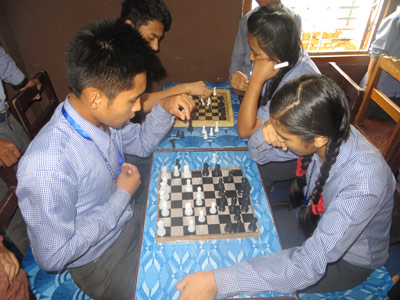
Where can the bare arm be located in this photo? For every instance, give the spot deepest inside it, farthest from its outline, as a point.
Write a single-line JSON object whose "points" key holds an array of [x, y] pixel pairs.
{"points": [[198, 88]]}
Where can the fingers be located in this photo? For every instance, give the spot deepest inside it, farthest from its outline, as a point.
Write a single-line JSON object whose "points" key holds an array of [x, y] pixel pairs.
{"points": [[184, 107], [9, 153], [239, 81], [9, 263]]}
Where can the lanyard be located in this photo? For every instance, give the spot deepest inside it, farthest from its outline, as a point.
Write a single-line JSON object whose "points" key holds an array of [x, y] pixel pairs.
{"points": [[83, 133]]}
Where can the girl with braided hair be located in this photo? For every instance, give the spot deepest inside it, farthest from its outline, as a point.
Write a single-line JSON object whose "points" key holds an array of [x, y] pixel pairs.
{"points": [[343, 189]]}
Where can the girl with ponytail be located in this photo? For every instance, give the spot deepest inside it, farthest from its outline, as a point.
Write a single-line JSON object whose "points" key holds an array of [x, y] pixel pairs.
{"points": [[343, 191]]}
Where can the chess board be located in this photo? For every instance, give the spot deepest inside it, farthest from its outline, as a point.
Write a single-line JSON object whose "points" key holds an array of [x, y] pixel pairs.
{"points": [[176, 223], [206, 115]]}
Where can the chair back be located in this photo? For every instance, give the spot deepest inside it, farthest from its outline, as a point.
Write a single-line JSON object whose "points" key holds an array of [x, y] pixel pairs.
{"points": [[383, 133], [353, 92], [9, 202], [32, 113]]}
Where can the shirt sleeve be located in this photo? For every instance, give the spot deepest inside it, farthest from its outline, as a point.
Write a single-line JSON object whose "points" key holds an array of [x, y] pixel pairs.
{"points": [[9, 72], [386, 35], [296, 268], [53, 196], [239, 48], [143, 139]]}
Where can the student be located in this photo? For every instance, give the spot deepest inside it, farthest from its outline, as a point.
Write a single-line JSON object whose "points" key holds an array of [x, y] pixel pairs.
{"points": [[152, 19], [241, 66], [273, 39], [343, 191], [74, 190]]}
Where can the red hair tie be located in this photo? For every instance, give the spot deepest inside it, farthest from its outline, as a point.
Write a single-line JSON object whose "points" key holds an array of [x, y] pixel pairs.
{"points": [[299, 170], [318, 208]]}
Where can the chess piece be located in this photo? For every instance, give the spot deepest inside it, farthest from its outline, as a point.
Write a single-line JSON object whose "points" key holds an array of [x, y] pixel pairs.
{"points": [[253, 225], [201, 218], [160, 228], [209, 102], [213, 208], [164, 173], [221, 185], [228, 227], [202, 102], [205, 171], [234, 200], [205, 135], [178, 134], [245, 207], [214, 157], [203, 130], [164, 209], [211, 131], [215, 91], [182, 135], [216, 127], [186, 171], [177, 163], [188, 209], [173, 142], [188, 186], [229, 179], [191, 227], [199, 201], [217, 171], [190, 127], [176, 171]]}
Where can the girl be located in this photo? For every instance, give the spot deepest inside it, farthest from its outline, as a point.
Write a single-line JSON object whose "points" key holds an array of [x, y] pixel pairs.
{"points": [[273, 39], [344, 190]]}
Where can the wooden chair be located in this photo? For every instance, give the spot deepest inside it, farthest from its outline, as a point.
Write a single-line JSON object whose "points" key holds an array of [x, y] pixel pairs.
{"points": [[31, 113], [351, 89], [383, 133]]}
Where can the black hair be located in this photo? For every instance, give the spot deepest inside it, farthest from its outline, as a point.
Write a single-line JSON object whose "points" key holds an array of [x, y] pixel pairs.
{"points": [[107, 55], [312, 105], [278, 36], [140, 12]]}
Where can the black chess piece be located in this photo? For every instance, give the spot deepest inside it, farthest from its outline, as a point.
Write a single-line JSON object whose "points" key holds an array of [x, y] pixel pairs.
{"points": [[239, 225], [237, 216], [245, 207], [234, 200], [222, 204], [177, 163], [178, 134], [229, 179], [182, 135], [173, 144], [221, 185], [190, 127], [205, 171], [217, 171], [228, 227], [253, 225]]}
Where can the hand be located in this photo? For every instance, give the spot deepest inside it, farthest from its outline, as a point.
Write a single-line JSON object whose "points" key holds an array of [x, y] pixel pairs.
{"points": [[197, 88], [271, 137], [239, 81], [263, 70], [9, 263], [129, 178], [9, 153], [180, 106], [198, 286], [32, 82]]}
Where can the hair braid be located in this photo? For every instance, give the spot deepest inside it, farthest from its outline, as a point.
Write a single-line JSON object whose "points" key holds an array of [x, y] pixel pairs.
{"points": [[296, 190]]}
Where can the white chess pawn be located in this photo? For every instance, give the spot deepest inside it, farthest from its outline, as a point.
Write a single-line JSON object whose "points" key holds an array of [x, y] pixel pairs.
{"points": [[188, 186], [160, 228], [161, 204], [191, 227], [164, 209], [208, 101], [202, 218], [213, 208], [215, 91], [199, 201], [188, 209], [202, 101], [205, 135], [211, 131], [186, 171], [204, 129], [164, 174], [216, 127], [214, 158], [164, 196], [176, 171], [163, 186]]}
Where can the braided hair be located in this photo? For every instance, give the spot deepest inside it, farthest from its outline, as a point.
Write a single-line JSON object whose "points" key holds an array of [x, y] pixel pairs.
{"points": [[312, 105], [278, 36]]}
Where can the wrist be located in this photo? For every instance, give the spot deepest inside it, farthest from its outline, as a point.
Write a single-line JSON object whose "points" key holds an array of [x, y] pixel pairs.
{"points": [[21, 85]]}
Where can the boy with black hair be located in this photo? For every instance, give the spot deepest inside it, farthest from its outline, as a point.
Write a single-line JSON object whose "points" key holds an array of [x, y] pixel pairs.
{"points": [[152, 18], [75, 191]]}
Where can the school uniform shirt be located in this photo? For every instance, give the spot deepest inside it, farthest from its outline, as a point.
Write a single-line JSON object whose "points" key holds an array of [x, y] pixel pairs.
{"points": [[240, 60], [304, 65], [66, 192], [387, 42], [358, 200], [9, 73]]}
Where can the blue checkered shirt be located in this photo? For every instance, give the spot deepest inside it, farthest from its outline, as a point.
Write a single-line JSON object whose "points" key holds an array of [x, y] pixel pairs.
{"points": [[358, 199], [66, 192]]}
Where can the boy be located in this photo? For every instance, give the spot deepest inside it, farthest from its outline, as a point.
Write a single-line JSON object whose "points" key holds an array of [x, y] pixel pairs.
{"points": [[152, 18], [74, 189]]}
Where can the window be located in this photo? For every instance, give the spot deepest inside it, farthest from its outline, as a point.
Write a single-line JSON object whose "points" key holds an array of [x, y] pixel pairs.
{"points": [[336, 26]]}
